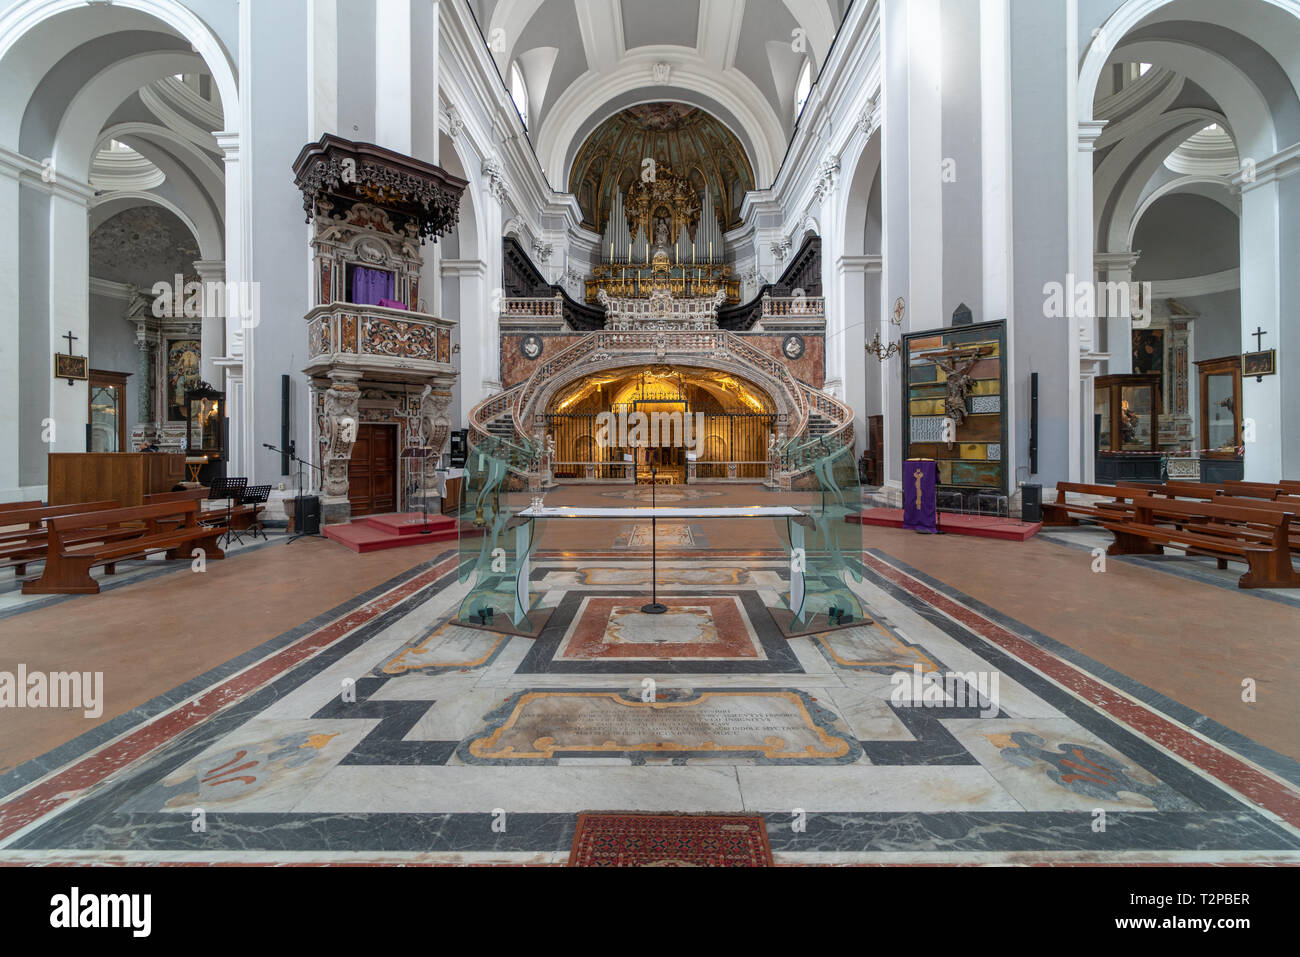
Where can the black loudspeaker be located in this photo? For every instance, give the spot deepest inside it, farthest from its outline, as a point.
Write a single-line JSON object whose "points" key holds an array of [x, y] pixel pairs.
{"points": [[1033, 424], [284, 423], [306, 515], [459, 448], [1031, 503]]}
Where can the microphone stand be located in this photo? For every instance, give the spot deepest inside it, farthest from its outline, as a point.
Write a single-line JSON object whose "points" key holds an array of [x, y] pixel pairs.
{"points": [[297, 498]]}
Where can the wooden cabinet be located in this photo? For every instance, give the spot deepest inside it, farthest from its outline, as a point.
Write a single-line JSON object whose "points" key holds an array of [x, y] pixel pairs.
{"points": [[1128, 409], [1220, 408], [125, 477]]}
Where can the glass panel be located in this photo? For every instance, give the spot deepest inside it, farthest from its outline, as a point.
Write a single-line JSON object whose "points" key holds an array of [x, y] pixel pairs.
{"points": [[1101, 406], [1136, 420], [495, 543], [104, 412], [1222, 416], [825, 545]]}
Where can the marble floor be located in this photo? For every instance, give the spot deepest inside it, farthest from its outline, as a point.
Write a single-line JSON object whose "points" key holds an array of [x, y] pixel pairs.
{"points": [[940, 729]]}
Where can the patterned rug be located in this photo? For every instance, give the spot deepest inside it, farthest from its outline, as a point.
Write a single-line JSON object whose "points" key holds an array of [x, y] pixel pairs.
{"points": [[670, 840]]}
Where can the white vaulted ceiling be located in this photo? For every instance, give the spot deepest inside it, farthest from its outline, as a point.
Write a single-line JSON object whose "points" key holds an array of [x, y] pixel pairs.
{"points": [[584, 60]]}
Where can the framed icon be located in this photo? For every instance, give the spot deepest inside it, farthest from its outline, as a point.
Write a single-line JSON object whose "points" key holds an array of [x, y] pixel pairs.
{"points": [[71, 367], [793, 347]]}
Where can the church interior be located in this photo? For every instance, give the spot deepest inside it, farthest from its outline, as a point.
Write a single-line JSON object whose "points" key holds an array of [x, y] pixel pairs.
{"points": [[352, 351]]}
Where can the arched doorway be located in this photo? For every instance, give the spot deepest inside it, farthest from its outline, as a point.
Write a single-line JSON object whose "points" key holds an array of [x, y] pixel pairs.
{"points": [[667, 424]]}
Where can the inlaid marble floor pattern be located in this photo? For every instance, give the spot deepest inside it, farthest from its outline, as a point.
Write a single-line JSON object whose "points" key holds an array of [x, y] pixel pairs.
{"points": [[932, 731]]}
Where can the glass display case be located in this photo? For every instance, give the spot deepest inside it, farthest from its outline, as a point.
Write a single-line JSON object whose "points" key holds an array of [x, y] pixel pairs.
{"points": [[107, 413], [1221, 444], [204, 432], [1128, 407]]}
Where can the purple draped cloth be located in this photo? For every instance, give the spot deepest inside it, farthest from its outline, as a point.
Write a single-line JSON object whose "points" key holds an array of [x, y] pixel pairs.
{"points": [[918, 495], [392, 304], [369, 286]]}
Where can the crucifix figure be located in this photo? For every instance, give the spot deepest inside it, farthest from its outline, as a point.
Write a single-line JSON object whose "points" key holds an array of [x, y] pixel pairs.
{"points": [[1259, 335], [960, 383]]}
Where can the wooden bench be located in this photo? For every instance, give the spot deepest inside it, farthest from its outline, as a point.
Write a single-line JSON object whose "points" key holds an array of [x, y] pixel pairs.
{"points": [[67, 565], [1264, 490], [198, 495], [25, 539], [1062, 512], [1258, 537], [14, 506]]}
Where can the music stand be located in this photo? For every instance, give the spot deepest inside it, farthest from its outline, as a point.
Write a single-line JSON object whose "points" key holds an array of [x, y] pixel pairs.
{"points": [[297, 496], [232, 490], [256, 495]]}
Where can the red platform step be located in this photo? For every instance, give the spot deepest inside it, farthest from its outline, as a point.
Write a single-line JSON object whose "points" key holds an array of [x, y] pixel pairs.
{"points": [[981, 526], [399, 530]]}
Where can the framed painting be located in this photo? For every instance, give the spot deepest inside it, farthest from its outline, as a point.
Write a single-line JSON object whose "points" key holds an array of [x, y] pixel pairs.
{"points": [[71, 367], [1259, 364], [182, 375]]}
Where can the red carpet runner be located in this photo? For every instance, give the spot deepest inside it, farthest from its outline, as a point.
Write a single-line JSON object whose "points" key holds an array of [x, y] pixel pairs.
{"points": [[670, 840]]}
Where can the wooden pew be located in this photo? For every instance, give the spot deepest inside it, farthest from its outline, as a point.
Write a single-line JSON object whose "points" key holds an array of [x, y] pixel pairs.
{"points": [[20, 546], [1264, 490], [1062, 512], [197, 495], [12, 506], [67, 565], [1258, 537]]}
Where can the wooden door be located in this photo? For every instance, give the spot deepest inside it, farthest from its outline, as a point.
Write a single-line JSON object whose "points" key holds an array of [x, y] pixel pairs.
{"points": [[372, 473]]}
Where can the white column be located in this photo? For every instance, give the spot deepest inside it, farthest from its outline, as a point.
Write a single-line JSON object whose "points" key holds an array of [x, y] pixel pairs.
{"points": [[1116, 267], [925, 165], [322, 67], [69, 258], [851, 276], [1261, 268], [212, 329], [10, 359], [995, 162], [472, 360], [393, 75], [237, 360]]}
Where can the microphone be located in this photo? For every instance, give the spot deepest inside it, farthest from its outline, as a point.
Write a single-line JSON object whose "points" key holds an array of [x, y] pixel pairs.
{"points": [[265, 446]]}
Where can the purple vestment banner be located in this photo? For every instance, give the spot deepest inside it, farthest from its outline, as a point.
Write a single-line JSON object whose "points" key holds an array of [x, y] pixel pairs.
{"points": [[918, 495], [371, 285]]}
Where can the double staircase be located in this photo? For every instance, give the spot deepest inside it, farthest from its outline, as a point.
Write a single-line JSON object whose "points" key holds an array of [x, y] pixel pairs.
{"points": [[816, 425]]}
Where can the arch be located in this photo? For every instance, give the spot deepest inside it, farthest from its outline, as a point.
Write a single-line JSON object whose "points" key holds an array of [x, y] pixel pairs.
{"points": [[1131, 14], [80, 126], [864, 168], [694, 82], [200, 165], [452, 155], [106, 207], [1210, 187], [1125, 173], [27, 16], [772, 389]]}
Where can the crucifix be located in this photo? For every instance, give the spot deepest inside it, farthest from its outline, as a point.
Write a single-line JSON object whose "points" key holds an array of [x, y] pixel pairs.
{"points": [[1259, 335]]}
